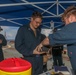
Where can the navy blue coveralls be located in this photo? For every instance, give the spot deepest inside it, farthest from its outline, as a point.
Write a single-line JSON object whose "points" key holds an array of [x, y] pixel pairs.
{"points": [[4, 42], [25, 43], [67, 35]]}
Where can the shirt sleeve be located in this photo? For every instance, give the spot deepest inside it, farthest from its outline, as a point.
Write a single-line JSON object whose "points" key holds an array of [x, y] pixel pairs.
{"points": [[20, 43], [64, 36], [4, 41]]}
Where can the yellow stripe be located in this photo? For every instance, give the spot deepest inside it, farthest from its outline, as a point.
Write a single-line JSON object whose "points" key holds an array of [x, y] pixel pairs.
{"points": [[27, 72]]}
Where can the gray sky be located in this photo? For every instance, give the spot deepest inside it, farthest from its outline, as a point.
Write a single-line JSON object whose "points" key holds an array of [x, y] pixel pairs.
{"points": [[9, 31]]}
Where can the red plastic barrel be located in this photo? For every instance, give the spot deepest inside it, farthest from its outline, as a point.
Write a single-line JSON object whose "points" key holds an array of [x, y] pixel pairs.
{"points": [[14, 65]]}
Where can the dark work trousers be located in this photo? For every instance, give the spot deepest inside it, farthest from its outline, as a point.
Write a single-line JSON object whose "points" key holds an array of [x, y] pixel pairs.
{"points": [[45, 67], [37, 64], [1, 55], [57, 61]]}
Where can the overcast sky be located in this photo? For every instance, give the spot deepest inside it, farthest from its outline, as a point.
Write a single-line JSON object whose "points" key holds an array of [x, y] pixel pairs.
{"points": [[9, 31]]}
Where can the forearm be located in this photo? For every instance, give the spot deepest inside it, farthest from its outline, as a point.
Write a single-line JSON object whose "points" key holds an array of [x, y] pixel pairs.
{"points": [[45, 41], [24, 50]]}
